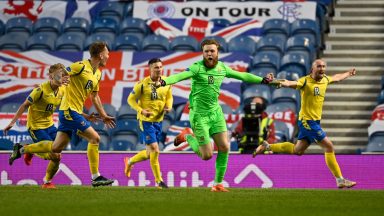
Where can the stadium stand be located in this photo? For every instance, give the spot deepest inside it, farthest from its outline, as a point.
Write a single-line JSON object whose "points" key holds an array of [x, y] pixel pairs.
{"points": [[155, 43], [242, 44], [127, 43], [13, 41], [184, 43], [69, 42], [19, 24], [47, 24], [76, 24], [134, 26]]}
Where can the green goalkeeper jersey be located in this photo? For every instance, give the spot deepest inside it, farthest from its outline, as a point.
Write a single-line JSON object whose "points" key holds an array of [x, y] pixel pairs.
{"points": [[206, 83]]}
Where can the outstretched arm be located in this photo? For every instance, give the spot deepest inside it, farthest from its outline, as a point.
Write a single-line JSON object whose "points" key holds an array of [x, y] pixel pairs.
{"points": [[345, 75], [248, 77], [178, 77], [288, 84], [18, 114]]}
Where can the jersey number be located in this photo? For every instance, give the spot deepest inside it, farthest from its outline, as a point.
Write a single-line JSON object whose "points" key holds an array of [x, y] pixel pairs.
{"points": [[211, 80], [89, 85], [49, 107], [316, 91]]}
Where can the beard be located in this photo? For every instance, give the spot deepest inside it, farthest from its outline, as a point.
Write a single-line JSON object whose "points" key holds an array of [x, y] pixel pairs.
{"points": [[211, 62]]}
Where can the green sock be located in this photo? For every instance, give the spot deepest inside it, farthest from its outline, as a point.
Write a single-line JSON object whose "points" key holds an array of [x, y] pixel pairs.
{"points": [[221, 166], [192, 141]]}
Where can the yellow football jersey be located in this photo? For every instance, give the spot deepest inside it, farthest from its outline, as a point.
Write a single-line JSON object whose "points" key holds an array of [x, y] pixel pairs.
{"points": [[84, 80], [312, 96], [145, 96], [43, 102]]}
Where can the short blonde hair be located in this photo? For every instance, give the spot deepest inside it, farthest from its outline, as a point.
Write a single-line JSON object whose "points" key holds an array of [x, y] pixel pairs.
{"points": [[57, 67]]}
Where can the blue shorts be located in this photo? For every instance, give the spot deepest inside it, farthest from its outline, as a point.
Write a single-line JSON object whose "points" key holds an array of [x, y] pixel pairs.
{"points": [[71, 121], [43, 134], [311, 131], [151, 132]]}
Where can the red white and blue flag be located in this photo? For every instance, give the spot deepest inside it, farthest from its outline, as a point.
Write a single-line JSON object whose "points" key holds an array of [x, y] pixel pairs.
{"points": [[198, 28]]}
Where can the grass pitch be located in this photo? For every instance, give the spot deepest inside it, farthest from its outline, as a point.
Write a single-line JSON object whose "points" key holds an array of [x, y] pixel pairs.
{"points": [[136, 201]]}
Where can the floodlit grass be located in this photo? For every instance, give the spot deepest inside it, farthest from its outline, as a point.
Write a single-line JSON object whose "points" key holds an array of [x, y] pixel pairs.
{"points": [[136, 201]]}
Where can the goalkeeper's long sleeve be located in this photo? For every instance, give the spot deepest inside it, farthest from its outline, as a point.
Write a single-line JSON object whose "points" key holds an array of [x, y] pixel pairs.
{"points": [[178, 77], [247, 77]]}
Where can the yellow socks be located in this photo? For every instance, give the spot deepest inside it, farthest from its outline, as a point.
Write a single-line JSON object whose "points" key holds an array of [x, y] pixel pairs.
{"points": [[285, 147], [39, 147], [332, 164], [93, 158], [52, 168], [154, 159], [140, 156]]}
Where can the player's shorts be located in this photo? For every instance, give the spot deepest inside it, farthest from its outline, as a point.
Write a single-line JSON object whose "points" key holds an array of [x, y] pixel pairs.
{"points": [[151, 132], [72, 121], [43, 134], [204, 125], [311, 131]]}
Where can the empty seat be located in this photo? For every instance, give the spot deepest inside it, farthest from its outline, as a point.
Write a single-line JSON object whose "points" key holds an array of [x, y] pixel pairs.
{"points": [[113, 9], [266, 59], [223, 44], [380, 98], [286, 95], [126, 112], [126, 129], [277, 26], [41, 41], [100, 128], [76, 24], [122, 145], [242, 44], [19, 24], [107, 38], [281, 131], [252, 91], [134, 26], [376, 143], [271, 43], [127, 43], [301, 43], [288, 75], [108, 108], [2, 28], [155, 43], [295, 62], [13, 41], [70, 42], [47, 24], [281, 107], [184, 43], [306, 26], [104, 25], [262, 72]]}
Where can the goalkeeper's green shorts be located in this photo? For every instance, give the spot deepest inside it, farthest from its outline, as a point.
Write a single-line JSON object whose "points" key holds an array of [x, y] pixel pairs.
{"points": [[204, 125]]}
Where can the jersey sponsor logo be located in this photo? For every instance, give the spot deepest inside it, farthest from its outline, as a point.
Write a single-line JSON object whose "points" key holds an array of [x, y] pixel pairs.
{"points": [[316, 91], [154, 95], [211, 80], [89, 85], [49, 107]]}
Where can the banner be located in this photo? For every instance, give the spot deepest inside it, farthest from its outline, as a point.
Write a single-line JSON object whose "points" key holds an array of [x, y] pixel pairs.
{"points": [[61, 10], [260, 11], [199, 28], [188, 170]]}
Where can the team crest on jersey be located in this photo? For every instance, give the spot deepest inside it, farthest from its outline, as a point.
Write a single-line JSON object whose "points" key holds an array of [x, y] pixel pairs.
{"points": [[82, 123], [211, 80], [316, 91]]}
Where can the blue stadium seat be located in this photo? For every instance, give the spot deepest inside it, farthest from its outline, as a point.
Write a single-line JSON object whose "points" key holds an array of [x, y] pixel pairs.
{"points": [[126, 129], [295, 62], [281, 107], [380, 98], [288, 75], [134, 26], [70, 42], [76, 24], [2, 28], [47, 24], [127, 43], [128, 9], [104, 25], [262, 72], [266, 59], [376, 143], [276, 26], [222, 42], [271, 43], [286, 95], [108, 108], [155, 43], [242, 44], [122, 145], [98, 37], [100, 128], [301, 43], [41, 41], [184, 43], [6, 144], [83, 145], [19, 24], [252, 91], [305, 27], [13, 41], [113, 10], [126, 112], [382, 82]]}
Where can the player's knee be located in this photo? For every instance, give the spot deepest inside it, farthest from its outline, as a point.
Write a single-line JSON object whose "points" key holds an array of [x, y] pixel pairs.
{"points": [[95, 139], [56, 149], [206, 156], [299, 153], [56, 157]]}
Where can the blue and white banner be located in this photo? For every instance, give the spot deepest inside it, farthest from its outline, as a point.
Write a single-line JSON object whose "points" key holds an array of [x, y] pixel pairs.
{"points": [[232, 11]]}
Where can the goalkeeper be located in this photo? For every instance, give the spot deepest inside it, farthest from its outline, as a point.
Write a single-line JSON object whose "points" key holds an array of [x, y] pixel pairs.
{"points": [[206, 117]]}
